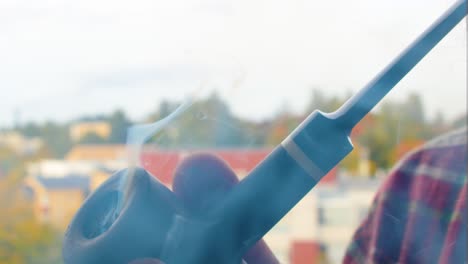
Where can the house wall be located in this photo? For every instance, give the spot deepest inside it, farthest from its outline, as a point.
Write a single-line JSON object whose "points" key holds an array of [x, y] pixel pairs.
{"points": [[62, 206], [79, 130]]}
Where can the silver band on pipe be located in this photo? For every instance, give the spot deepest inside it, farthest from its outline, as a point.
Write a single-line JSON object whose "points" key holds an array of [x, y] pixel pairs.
{"points": [[301, 158]]}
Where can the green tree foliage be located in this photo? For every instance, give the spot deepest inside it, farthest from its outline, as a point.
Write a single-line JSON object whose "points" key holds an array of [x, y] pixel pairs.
{"points": [[208, 123], [281, 126], [398, 123], [319, 101], [7, 160], [255, 133], [31, 130], [460, 122], [23, 238], [57, 139], [56, 136], [119, 123], [383, 136]]}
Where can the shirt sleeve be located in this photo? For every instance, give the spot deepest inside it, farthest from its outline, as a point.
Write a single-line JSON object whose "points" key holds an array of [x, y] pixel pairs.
{"points": [[418, 213], [379, 237]]}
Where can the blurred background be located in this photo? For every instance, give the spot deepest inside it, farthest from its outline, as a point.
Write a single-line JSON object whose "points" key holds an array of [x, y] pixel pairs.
{"points": [[74, 75]]}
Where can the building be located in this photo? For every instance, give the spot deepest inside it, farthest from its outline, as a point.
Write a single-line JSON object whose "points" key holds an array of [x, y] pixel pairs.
{"points": [[102, 153], [54, 168], [57, 188], [100, 128], [306, 252], [20, 144], [340, 210], [161, 163], [57, 199], [317, 230]]}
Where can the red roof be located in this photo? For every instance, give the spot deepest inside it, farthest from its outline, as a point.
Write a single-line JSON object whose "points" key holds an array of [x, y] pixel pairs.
{"points": [[305, 252], [162, 163]]}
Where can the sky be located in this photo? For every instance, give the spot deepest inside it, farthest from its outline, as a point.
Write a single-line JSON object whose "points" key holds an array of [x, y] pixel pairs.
{"points": [[60, 60]]}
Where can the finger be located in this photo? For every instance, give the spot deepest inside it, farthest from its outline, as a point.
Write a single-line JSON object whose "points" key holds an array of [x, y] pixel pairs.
{"points": [[203, 179]]}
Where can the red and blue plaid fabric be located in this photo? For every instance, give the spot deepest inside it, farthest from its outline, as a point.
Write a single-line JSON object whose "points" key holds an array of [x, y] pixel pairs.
{"points": [[419, 214]]}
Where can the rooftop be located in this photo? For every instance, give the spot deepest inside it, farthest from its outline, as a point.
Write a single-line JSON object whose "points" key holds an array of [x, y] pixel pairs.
{"points": [[72, 181]]}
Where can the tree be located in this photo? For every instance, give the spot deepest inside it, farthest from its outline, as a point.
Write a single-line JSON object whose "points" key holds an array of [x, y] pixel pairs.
{"points": [[227, 130], [438, 125], [319, 101], [119, 125], [31, 130], [206, 123], [412, 118], [6, 160], [54, 135], [92, 138], [164, 109], [282, 125], [459, 122], [23, 238], [396, 122], [57, 138], [414, 109]]}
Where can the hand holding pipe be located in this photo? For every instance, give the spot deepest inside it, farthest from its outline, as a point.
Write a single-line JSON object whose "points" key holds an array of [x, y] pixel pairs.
{"points": [[154, 222], [199, 182]]}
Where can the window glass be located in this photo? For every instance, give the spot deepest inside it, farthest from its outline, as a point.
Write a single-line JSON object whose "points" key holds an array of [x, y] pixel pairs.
{"points": [[233, 79]]}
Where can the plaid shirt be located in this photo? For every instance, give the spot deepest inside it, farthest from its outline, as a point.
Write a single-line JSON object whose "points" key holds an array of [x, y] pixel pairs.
{"points": [[419, 214]]}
